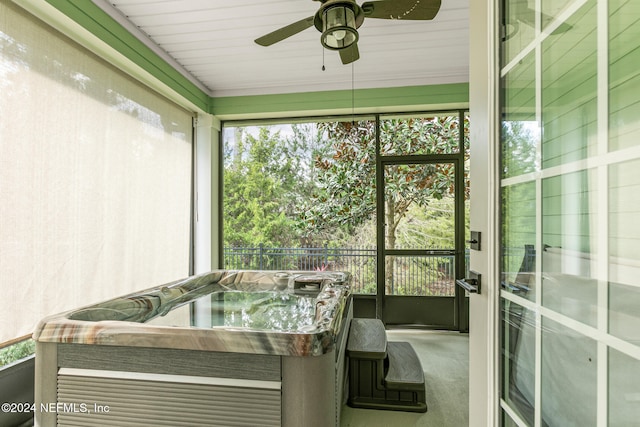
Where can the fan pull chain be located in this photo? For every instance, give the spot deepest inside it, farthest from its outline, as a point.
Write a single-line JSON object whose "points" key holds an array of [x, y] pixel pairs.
{"points": [[323, 60], [353, 96]]}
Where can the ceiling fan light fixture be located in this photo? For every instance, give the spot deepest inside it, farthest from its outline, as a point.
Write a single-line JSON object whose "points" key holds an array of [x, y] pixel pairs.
{"points": [[339, 27], [338, 22]]}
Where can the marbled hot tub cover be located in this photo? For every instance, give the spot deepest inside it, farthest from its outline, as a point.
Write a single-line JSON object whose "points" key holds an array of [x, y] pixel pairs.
{"points": [[121, 321]]}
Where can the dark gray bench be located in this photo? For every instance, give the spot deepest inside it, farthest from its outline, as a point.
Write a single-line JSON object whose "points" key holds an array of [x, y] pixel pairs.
{"points": [[383, 375]]}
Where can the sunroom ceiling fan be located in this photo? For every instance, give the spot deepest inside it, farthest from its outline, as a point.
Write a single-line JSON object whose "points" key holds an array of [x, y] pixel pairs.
{"points": [[339, 20]]}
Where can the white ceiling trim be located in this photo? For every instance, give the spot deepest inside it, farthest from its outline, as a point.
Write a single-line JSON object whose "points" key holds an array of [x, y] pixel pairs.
{"points": [[211, 43], [108, 8]]}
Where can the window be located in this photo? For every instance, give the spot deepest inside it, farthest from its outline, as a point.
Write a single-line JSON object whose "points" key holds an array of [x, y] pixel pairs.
{"points": [[570, 182], [301, 195]]}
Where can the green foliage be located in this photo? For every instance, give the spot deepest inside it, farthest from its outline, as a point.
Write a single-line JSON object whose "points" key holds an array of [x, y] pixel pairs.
{"points": [[428, 135], [518, 223], [345, 197], [519, 141], [315, 185], [17, 351], [262, 182]]}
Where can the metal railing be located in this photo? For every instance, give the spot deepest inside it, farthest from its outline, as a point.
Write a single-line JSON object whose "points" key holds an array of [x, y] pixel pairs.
{"points": [[426, 275], [412, 275], [360, 262]]}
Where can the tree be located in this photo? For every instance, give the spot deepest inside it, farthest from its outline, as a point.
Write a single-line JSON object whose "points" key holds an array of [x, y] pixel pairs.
{"points": [[344, 196], [259, 177], [519, 141], [346, 180]]}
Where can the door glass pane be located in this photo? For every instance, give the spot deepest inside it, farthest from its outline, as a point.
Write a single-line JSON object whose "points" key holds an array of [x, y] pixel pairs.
{"points": [[411, 135], [518, 239], [518, 367], [624, 377], [551, 9], [520, 129], [624, 315], [568, 377], [569, 262], [507, 421], [419, 206], [624, 80], [420, 275], [519, 29], [624, 256], [569, 87]]}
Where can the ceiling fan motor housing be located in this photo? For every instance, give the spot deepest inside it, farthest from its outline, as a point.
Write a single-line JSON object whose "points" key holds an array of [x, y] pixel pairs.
{"points": [[338, 21]]}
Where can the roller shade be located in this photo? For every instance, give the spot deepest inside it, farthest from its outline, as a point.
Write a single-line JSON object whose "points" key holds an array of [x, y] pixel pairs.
{"points": [[95, 178]]}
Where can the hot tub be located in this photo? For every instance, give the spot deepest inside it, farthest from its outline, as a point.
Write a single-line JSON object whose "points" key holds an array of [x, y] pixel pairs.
{"points": [[223, 348]]}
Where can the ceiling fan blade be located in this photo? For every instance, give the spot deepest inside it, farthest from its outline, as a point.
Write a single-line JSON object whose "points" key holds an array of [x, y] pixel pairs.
{"points": [[350, 54], [285, 32], [417, 10]]}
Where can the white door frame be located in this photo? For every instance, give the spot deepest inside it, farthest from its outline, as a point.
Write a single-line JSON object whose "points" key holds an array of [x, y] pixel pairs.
{"points": [[483, 308]]}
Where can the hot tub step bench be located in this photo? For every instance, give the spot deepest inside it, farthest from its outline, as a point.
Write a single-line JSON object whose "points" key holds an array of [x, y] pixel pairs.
{"points": [[382, 374]]}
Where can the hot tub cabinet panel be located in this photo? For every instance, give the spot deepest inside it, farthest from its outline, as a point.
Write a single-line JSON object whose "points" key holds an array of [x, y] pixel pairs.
{"points": [[113, 398], [95, 372]]}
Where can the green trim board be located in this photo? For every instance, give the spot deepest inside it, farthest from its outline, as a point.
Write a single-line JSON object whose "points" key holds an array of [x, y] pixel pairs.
{"points": [[406, 98], [100, 24]]}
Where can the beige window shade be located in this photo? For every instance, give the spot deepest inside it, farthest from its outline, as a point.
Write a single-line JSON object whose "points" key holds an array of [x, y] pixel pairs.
{"points": [[95, 178]]}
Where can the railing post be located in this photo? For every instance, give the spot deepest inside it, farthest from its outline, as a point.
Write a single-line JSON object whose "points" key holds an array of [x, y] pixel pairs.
{"points": [[326, 257], [260, 261]]}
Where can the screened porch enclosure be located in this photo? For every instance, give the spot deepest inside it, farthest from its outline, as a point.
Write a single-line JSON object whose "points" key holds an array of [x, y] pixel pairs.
{"points": [[107, 145], [382, 197]]}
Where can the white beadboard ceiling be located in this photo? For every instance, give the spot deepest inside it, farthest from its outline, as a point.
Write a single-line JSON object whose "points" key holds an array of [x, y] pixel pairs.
{"points": [[213, 41]]}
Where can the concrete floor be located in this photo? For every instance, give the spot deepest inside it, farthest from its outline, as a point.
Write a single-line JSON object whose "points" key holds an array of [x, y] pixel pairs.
{"points": [[445, 360]]}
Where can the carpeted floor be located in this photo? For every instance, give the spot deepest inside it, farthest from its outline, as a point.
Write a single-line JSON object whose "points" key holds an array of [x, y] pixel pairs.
{"points": [[445, 360]]}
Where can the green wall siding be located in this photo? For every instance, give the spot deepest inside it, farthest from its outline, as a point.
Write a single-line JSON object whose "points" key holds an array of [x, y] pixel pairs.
{"points": [[406, 98], [569, 87]]}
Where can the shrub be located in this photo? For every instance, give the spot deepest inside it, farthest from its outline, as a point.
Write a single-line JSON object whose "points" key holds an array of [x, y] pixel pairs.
{"points": [[17, 351]]}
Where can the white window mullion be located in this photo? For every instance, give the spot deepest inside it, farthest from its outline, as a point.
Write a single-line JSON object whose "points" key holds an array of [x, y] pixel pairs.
{"points": [[602, 231], [539, 243], [512, 414]]}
